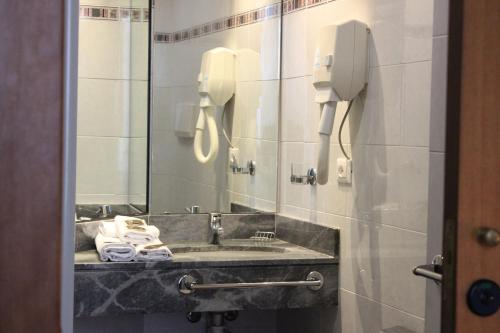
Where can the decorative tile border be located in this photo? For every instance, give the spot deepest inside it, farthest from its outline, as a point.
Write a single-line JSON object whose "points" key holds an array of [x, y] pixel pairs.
{"points": [[238, 20], [114, 13], [226, 23], [290, 6]]}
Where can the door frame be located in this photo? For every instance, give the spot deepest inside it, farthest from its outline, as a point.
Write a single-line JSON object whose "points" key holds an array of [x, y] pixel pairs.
{"points": [[70, 86], [453, 88]]}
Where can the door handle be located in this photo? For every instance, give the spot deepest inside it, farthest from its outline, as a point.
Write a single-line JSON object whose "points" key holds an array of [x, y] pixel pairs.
{"points": [[433, 271], [488, 236], [429, 272]]}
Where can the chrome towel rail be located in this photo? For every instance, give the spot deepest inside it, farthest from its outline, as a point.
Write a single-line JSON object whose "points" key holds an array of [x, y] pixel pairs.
{"points": [[188, 284]]}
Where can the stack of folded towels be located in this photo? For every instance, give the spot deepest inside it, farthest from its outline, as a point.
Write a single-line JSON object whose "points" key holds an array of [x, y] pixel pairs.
{"points": [[130, 239]]}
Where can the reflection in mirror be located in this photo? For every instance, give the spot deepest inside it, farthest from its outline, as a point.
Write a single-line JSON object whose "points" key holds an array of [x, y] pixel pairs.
{"points": [[215, 99], [112, 124]]}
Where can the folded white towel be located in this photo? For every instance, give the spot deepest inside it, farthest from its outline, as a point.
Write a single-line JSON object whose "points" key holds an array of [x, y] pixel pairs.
{"points": [[155, 250], [135, 231], [113, 249], [108, 228]]}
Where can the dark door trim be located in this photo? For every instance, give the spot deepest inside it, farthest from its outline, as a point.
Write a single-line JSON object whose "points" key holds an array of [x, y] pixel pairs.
{"points": [[451, 165]]}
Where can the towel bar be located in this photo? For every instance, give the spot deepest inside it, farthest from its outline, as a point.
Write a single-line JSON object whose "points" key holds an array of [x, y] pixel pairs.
{"points": [[187, 284]]}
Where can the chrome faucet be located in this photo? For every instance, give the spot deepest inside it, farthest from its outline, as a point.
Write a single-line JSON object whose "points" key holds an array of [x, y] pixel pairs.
{"points": [[216, 228], [193, 209], [105, 210]]}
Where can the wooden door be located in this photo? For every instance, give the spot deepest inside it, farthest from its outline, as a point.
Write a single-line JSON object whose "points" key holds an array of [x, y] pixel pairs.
{"points": [[31, 164], [473, 160]]}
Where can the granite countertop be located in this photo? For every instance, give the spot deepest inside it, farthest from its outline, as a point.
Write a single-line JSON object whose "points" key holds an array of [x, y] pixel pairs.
{"points": [[232, 253]]}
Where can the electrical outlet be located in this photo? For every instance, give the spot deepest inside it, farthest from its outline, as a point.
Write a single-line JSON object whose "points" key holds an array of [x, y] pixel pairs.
{"points": [[344, 170]]}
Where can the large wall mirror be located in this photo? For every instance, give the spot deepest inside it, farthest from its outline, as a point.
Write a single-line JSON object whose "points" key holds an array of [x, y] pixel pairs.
{"points": [[112, 115], [211, 97], [246, 34]]}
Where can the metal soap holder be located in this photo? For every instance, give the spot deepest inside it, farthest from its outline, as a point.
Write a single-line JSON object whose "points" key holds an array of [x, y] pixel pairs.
{"points": [[263, 236], [300, 179], [249, 170]]}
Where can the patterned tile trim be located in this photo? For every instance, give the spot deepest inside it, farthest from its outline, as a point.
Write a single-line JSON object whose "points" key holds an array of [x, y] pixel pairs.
{"points": [[290, 6], [114, 13], [238, 20], [226, 23]]}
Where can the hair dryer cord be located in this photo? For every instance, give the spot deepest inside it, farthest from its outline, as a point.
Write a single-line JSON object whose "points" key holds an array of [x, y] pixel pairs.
{"points": [[342, 126]]}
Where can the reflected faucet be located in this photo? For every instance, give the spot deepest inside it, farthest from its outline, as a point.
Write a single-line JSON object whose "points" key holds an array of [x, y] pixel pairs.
{"points": [[215, 220], [105, 211], [193, 209]]}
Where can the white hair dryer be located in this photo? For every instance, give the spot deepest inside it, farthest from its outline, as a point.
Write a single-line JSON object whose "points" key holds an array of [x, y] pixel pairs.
{"points": [[340, 73], [216, 87]]}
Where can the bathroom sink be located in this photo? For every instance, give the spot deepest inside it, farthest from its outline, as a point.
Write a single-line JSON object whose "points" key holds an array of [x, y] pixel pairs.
{"points": [[231, 252], [230, 246]]}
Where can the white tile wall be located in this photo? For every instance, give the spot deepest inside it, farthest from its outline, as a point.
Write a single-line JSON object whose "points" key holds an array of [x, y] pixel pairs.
{"points": [[380, 118], [390, 186], [383, 214], [138, 161], [106, 57], [377, 262], [354, 318], [103, 107], [102, 166], [438, 96], [401, 30], [112, 108], [417, 30], [139, 47], [138, 109], [415, 110], [241, 6], [294, 43], [294, 106]]}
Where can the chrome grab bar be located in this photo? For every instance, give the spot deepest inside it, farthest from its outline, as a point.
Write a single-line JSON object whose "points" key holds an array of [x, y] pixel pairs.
{"points": [[428, 271], [188, 284]]}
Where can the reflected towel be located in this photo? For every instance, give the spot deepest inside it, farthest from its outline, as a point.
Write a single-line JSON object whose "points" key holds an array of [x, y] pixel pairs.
{"points": [[156, 251], [108, 229], [112, 249], [135, 231]]}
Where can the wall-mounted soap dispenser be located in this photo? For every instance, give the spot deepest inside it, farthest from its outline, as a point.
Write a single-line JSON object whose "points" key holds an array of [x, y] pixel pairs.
{"points": [[340, 73], [216, 87]]}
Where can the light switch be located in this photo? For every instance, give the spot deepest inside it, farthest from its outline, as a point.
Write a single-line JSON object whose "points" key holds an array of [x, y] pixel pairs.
{"points": [[344, 170]]}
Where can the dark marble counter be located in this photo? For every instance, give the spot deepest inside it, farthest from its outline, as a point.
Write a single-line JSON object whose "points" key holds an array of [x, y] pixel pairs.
{"points": [[234, 253], [110, 288]]}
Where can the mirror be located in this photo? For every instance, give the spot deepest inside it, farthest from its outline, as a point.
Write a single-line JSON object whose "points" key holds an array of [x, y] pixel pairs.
{"points": [[207, 79], [221, 64], [112, 121]]}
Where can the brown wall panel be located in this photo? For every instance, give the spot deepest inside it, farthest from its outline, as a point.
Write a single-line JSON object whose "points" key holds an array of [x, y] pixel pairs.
{"points": [[31, 95]]}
